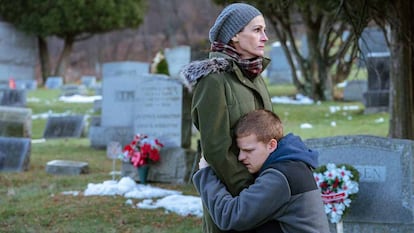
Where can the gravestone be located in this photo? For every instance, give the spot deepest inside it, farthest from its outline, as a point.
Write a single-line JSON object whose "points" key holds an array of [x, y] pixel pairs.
{"points": [[158, 110], [97, 106], [18, 53], [278, 70], [100, 136], [73, 89], [14, 154], [64, 126], [304, 48], [384, 202], [67, 167], [376, 98], [144, 104], [54, 82], [95, 121], [137, 102], [375, 56], [13, 97], [116, 117], [26, 84], [354, 90], [98, 89], [15, 122], [126, 68], [372, 41], [177, 57], [149, 104], [174, 167], [88, 81], [4, 84]]}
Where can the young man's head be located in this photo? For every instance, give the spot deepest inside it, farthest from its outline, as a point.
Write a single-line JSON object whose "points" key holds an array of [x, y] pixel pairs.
{"points": [[257, 134]]}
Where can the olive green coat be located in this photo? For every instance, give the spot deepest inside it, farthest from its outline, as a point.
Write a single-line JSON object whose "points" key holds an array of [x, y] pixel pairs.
{"points": [[221, 95]]}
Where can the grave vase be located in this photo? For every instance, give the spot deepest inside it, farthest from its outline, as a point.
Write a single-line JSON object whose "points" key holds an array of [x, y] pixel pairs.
{"points": [[143, 173]]}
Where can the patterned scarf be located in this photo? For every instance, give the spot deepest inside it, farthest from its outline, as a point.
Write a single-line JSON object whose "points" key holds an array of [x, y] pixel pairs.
{"points": [[250, 67]]}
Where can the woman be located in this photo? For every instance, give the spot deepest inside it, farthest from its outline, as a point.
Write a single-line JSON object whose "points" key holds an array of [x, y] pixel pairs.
{"points": [[227, 86]]}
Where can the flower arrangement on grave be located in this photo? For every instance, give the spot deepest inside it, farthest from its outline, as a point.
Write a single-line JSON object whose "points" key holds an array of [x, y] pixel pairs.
{"points": [[338, 185], [142, 150]]}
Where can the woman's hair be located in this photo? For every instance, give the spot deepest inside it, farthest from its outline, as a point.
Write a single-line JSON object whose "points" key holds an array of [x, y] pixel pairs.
{"points": [[265, 124]]}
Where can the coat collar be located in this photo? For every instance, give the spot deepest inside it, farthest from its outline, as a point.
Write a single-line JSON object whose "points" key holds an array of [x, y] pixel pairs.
{"points": [[216, 63]]}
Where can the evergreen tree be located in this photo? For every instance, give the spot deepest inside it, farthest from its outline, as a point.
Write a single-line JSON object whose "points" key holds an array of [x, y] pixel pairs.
{"points": [[70, 21]]}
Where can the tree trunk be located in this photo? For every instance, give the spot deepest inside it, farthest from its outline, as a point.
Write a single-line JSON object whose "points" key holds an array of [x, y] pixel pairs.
{"points": [[64, 56], [402, 67], [44, 58]]}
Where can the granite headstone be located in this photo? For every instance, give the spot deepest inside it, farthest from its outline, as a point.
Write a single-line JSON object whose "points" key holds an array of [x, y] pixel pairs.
{"points": [[376, 98], [18, 53], [13, 97], [279, 70], [354, 90], [384, 202], [158, 110], [26, 84], [125, 68], [14, 154], [88, 81], [54, 82], [177, 57], [64, 126], [149, 104], [372, 41], [15, 122], [73, 89]]}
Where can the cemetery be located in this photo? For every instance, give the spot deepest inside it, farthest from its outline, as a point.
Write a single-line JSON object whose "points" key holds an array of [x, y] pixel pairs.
{"points": [[65, 146], [82, 158]]}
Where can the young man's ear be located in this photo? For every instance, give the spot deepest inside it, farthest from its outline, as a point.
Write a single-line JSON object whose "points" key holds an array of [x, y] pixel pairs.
{"points": [[272, 145]]}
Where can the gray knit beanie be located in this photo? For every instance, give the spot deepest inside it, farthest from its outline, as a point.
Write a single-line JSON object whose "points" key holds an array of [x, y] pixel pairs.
{"points": [[231, 21]]}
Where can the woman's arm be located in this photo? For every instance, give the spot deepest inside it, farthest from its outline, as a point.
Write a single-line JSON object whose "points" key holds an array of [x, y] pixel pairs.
{"points": [[255, 205]]}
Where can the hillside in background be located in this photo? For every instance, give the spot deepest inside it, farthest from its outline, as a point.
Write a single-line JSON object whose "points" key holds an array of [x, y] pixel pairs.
{"points": [[167, 24]]}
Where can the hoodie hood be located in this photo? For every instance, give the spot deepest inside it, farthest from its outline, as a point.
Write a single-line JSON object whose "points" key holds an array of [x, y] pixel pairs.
{"points": [[291, 147]]}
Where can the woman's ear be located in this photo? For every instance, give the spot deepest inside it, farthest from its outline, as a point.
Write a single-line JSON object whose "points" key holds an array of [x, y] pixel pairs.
{"points": [[235, 39], [272, 145]]}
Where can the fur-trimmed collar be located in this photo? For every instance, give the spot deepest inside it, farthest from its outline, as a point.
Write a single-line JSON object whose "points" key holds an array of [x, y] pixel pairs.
{"points": [[192, 72]]}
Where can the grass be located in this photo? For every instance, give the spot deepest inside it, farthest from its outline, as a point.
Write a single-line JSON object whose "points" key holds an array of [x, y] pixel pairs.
{"points": [[31, 201]]}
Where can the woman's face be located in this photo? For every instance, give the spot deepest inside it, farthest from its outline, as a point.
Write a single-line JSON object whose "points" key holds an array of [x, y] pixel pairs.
{"points": [[250, 42]]}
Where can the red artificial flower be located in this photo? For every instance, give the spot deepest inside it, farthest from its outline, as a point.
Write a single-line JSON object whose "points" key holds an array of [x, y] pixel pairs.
{"points": [[140, 152]]}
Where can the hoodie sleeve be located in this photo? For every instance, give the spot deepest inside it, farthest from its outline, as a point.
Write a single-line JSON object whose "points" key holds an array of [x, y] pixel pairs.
{"points": [[254, 205]]}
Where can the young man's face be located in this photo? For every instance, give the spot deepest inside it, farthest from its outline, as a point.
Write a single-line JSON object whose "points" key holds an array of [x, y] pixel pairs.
{"points": [[253, 153]]}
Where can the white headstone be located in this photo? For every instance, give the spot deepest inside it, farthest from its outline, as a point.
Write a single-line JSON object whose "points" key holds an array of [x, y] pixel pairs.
{"points": [[149, 104], [128, 68], [54, 82], [176, 58], [158, 110], [18, 53], [279, 70]]}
